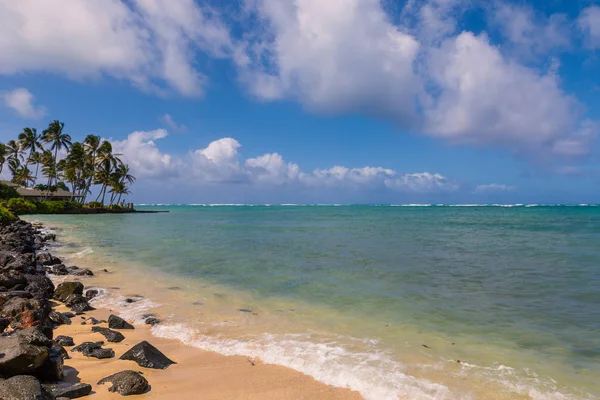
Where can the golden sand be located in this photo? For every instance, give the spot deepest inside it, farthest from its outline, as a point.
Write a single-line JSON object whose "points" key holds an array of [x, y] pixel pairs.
{"points": [[198, 374]]}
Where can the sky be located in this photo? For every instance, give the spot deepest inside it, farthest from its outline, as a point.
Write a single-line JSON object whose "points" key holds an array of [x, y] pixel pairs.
{"points": [[314, 101]]}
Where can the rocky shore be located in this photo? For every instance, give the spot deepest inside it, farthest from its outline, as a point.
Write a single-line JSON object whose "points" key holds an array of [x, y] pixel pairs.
{"points": [[32, 358]]}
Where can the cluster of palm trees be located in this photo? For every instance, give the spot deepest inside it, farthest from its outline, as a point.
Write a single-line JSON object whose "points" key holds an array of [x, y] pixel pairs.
{"points": [[87, 163]]}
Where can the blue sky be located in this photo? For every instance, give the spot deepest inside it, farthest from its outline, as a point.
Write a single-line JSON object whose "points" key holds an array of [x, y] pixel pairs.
{"points": [[269, 101]]}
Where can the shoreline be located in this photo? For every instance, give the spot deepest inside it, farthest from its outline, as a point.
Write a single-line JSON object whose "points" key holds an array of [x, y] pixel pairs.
{"points": [[197, 372]]}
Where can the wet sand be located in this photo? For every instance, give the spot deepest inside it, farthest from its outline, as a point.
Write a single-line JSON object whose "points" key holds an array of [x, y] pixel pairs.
{"points": [[198, 374]]}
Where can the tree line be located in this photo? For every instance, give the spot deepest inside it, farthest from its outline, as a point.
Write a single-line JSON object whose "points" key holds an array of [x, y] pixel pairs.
{"points": [[88, 163]]}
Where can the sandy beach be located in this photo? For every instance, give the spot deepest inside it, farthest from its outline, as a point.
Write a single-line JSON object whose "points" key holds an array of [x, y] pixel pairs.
{"points": [[198, 374]]}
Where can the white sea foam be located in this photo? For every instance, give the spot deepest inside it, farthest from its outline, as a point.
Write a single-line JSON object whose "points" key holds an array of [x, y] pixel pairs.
{"points": [[374, 374], [80, 254]]}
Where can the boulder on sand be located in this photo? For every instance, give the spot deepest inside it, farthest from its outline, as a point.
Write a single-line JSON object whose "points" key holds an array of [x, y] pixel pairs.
{"points": [[68, 390], [110, 335], [148, 356], [94, 349], [23, 352], [23, 387], [126, 382], [66, 289], [64, 340], [115, 322]]}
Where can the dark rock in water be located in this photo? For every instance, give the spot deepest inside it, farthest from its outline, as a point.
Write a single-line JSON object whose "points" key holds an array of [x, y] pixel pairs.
{"points": [[94, 349], [64, 340], [23, 387], [48, 259], [59, 318], [39, 286], [69, 390], [79, 271], [174, 288], [23, 352], [129, 301], [58, 269], [110, 335], [90, 294], [115, 322], [73, 299], [126, 383], [66, 289], [104, 270], [148, 356], [246, 310], [152, 321], [52, 369]]}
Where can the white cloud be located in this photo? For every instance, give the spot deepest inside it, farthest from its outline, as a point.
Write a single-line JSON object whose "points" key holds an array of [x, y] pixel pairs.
{"points": [[21, 101], [221, 163], [488, 99], [494, 187], [168, 120], [334, 56], [589, 23], [145, 159], [147, 42], [530, 32]]}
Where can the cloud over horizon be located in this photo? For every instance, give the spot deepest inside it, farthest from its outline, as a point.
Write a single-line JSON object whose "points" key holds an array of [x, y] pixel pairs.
{"points": [[417, 70]]}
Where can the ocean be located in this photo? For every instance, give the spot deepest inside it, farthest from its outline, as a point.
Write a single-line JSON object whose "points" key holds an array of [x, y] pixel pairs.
{"points": [[415, 302]]}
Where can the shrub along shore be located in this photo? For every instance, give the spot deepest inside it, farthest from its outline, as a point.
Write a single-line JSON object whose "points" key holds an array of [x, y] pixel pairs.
{"points": [[32, 358]]}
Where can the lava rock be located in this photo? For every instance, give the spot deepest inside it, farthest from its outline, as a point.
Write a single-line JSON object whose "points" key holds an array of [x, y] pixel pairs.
{"points": [[152, 321], [90, 294], [79, 271], [69, 390], [126, 382], [81, 308], [66, 289], [48, 259], [73, 299], [58, 269], [39, 286], [59, 318], [23, 387], [94, 349], [52, 369], [110, 335], [115, 322], [23, 352], [148, 356], [64, 340]]}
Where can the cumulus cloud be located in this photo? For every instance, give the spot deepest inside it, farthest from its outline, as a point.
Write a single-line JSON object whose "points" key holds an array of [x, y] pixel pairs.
{"points": [[589, 23], [221, 163], [21, 100], [349, 57], [149, 43], [493, 188], [168, 120]]}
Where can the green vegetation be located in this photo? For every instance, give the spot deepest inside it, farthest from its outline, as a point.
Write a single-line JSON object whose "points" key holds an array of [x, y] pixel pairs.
{"points": [[87, 164], [6, 217], [7, 192]]}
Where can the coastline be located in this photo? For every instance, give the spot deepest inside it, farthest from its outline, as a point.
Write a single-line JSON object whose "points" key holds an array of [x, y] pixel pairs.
{"points": [[197, 372]]}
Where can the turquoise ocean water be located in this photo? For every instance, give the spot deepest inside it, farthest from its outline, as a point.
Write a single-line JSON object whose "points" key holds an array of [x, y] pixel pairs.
{"points": [[438, 302]]}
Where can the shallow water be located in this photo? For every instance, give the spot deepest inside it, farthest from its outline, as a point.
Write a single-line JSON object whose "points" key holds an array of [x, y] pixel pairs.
{"points": [[386, 300]]}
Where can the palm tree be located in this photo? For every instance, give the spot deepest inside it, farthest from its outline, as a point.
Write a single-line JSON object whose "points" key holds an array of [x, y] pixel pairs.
{"points": [[3, 154], [54, 135], [30, 140], [35, 158], [91, 144], [14, 150]]}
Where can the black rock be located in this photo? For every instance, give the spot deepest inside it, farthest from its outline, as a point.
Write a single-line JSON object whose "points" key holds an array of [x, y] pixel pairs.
{"points": [[94, 349], [81, 308], [115, 322], [62, 351], [66, 289], [23, 352], [73, 299], [58, 269], [59, 318], [90, 294], [69, 314], [39, 286], [79, 271], [129, 301], [69, 390], [126, 382], [52, 369], [11, 278], [4, 323], [148, 356], [48, 259], [110, 335], [64, 340], [94, 321], [23, 387], [152, 321]]}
